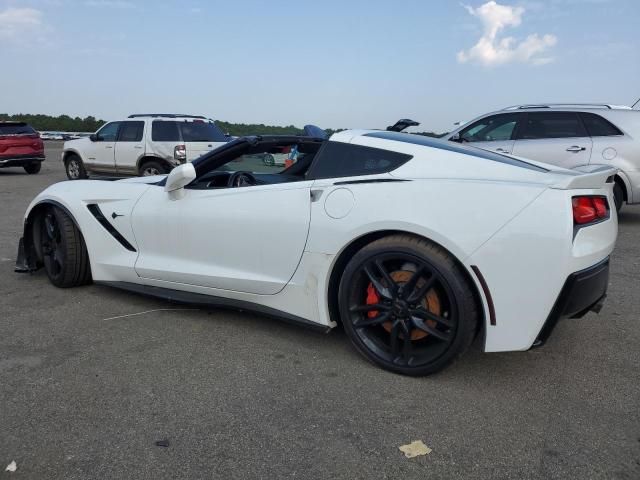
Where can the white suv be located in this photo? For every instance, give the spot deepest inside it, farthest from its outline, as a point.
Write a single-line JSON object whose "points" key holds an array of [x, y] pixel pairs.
{"points": [[143, 144], [568, 135]]}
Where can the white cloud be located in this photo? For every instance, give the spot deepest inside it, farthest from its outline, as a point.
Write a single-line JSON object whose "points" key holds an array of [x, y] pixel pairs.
{"points": [[109, 3], [19, 23], [492, 49]]}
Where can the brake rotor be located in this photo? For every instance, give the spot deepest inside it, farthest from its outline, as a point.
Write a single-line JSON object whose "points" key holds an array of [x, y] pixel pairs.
{"points": [[430, 302]]}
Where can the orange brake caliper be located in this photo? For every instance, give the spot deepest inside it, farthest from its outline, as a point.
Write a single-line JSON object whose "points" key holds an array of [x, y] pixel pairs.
{"points": [[431, 302], [372, 298]]}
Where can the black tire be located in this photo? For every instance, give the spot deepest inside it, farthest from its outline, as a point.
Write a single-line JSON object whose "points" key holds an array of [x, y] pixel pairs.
{"points": [[433, 322], [32, 168], [65, 256], [75, 168], [618, 196], [152, 167], [269, 160]]}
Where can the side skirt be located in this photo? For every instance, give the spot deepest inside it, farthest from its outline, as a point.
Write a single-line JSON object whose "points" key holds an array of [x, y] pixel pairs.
{"points": [[210, 301]]}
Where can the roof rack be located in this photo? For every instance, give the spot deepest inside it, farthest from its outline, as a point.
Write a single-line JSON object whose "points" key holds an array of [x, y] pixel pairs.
{"points": [[165, 115], [580, 105]]}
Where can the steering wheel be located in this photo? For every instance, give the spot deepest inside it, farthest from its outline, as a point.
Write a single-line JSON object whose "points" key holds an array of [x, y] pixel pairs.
{"points": [[241, 179]]}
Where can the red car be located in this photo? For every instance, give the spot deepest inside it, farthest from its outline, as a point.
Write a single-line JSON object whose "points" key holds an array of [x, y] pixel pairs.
{"points": [[20, 146]]}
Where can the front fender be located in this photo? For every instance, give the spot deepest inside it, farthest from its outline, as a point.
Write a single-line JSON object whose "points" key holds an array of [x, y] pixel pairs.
{"points": [[109, 259]]}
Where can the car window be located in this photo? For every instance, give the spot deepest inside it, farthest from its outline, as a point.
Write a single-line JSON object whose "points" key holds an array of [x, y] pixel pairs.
{"points": [[16, 129], [337, 159], [109, 132], [164, 131], [200, 131], [551, 125], [598, 126], [131, 132], [491, 129], [454, 147]]}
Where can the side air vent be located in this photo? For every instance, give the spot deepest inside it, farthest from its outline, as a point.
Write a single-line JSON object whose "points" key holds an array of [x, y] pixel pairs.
{"points": [[96, 212]]}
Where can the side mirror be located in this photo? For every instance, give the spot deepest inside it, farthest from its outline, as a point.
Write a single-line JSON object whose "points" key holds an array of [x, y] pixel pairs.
{"points": [[180, 177], [93, 137], [455, 138]]}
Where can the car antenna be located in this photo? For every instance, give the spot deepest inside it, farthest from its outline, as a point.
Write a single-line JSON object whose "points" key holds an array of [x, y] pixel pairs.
{"points": [[400, 125]]}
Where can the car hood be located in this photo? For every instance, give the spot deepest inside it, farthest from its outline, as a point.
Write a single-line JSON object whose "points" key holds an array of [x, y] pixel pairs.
{"points": [[77, 144]]}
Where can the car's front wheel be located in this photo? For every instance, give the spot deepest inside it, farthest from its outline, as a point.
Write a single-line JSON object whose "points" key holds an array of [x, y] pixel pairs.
{"points": [[407, 306], [64, 253], [74, 168], [32, 168]]}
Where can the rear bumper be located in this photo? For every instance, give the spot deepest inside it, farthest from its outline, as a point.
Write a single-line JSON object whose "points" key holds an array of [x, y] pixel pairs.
{"points": [[20, 160], [583, 291]]}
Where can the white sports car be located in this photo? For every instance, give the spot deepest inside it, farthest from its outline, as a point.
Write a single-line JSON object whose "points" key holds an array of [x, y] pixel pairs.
{"points": [[415, 245]]}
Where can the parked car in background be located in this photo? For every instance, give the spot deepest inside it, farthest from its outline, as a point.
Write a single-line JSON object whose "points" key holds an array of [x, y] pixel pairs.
{"points": [[20, 146], [567, 135], [143, 144]]}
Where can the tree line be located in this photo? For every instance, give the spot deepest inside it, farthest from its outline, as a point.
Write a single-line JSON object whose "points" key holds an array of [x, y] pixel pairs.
{"points": [[65, 123], [61, 123]]}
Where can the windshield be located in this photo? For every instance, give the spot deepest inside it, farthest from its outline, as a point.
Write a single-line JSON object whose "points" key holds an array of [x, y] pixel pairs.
{"points": [[201, 132]]}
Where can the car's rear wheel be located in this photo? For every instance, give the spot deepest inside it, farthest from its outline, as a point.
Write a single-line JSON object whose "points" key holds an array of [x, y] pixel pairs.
{"points": [[152, 168], [618, 196], [269, 160], [32, 168], [407, 305], [74, 168], [64, 253]]}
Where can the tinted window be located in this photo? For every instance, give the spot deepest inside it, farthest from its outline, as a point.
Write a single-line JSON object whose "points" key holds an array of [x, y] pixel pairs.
{"points": [[162, 131], [551, 125], [131, 132], [201, 132], [337, 159], [16, 129], [109, 132], [491, 129], [453, 147], [598, 126]]}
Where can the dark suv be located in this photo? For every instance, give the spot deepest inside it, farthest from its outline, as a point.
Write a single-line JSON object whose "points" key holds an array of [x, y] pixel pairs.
{"points": [[20, 146]]}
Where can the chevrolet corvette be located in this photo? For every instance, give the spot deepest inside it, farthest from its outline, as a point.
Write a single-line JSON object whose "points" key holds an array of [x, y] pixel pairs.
{"points": [[415, 246]]}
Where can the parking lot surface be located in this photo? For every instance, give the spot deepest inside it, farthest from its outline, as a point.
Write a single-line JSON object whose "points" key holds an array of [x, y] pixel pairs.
{"points": [[87, 388]]}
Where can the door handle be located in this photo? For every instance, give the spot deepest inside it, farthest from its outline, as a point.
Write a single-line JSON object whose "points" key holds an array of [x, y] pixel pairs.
{"points": [[108, 146], [576, 149], [137, 146]]}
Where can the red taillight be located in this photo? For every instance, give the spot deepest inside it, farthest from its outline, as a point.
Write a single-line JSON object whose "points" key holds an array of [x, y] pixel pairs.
{"points": [[589, 209], [602, 207], [180, 153]]}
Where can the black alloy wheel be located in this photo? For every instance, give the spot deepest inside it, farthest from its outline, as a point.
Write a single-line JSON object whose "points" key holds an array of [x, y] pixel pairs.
{"points": [[64, 253], [407, 306]]}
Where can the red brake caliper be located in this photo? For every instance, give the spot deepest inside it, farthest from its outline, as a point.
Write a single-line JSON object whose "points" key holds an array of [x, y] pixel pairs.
{"points": [[372, 298]]}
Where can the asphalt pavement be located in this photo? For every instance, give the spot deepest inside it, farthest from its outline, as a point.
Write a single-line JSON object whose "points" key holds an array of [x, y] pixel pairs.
{"points": [[89, 384]]}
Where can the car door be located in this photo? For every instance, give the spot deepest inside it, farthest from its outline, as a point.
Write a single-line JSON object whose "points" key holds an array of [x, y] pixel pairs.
{"points": [[558, 138], [246, 239], [101, 151], [495, 132], [129, 146]]}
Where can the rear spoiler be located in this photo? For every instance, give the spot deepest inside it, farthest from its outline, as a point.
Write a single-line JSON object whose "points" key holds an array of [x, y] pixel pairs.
{"points": [[587, 176]]}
